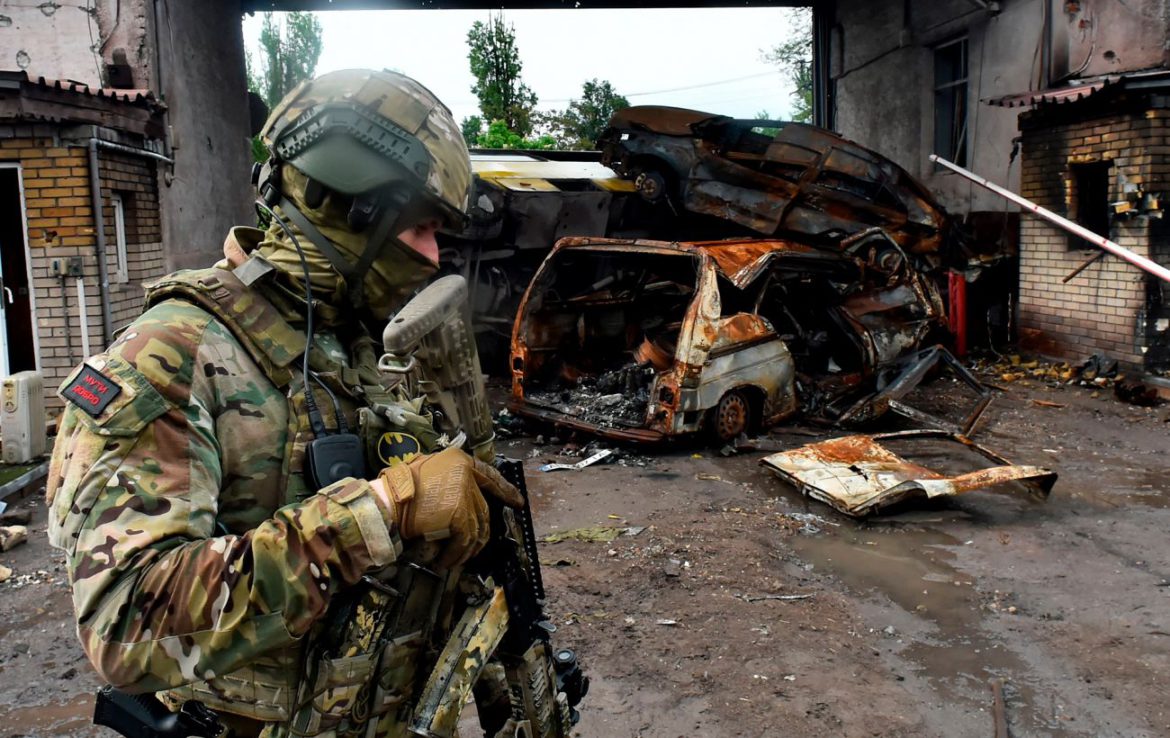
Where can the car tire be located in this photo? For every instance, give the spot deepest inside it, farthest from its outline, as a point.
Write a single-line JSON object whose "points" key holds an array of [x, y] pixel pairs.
{"points": [[651, 185], [732, 417]]}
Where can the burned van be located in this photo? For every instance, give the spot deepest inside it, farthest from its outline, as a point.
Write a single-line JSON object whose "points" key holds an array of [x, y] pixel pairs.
{"points": [[644, 340]]}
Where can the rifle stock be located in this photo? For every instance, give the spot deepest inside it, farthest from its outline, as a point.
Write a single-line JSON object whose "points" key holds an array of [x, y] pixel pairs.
{"points": [[431, 337]]}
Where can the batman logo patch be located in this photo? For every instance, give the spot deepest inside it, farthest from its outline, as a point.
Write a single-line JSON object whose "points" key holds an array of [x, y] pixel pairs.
{"points": [[397, 448]]}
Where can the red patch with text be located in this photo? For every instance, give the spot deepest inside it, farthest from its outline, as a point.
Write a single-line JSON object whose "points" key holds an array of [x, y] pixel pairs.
{"points": [[91, 390]]}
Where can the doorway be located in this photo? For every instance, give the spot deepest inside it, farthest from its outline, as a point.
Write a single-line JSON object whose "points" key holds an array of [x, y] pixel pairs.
{"points": [[18, 341]]}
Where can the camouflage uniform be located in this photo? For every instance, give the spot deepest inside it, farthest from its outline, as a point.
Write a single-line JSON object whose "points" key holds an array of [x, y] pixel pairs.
{"points": [[198, 556]]}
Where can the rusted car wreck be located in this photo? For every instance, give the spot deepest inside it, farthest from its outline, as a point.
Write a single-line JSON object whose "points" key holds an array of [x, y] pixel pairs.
{"points": [[645, 340], [771, 177]]}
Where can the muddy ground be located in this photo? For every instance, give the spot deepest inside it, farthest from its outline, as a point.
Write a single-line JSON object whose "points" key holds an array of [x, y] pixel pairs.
{"points": [[906, 617]]}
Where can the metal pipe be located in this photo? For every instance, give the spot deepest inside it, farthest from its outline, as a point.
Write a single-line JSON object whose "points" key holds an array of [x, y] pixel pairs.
{"points": [[95, 194], [99, 220], [132, 151], [1117, 250], [63, 279], [82, 318]]}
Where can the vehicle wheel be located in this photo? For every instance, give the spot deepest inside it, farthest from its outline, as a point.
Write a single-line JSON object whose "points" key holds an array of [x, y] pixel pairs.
{"points": [[732, 417], [651, 185]]}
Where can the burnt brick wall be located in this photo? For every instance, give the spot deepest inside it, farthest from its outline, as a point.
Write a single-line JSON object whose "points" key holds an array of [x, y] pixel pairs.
{"points": [[60, 219], [1100, 310]]}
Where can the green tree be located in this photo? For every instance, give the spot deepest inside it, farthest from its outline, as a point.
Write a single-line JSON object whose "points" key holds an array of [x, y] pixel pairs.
{"points": [[495, 64], [288, 55], [499, 136], [589, 115], [471, 126], [794, 58], [765, 115]]}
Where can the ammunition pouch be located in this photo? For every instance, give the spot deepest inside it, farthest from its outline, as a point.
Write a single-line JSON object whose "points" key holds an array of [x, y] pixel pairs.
{"points": [[362, 666]]}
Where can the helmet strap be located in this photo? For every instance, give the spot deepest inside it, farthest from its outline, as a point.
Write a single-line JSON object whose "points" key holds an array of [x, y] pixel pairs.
{"points": [[374, 245], [354, 273]]}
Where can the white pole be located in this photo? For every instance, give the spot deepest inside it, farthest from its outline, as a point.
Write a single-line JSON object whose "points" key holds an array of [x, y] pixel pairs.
{"points": [[1137, 260], [83, 318]]}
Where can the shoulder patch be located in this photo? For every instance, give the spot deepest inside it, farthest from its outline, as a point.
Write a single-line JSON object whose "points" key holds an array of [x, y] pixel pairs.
{"points": [[91, 390]]}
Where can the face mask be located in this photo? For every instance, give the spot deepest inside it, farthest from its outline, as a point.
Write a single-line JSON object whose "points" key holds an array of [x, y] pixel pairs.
{"points": [[394, 275]]}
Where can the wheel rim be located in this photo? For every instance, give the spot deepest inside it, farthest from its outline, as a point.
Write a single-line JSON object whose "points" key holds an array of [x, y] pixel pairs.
{"points": [[731, 419], [648, 185]]}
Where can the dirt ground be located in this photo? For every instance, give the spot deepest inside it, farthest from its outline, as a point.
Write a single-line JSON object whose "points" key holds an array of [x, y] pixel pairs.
{"points": [[905, 617]]}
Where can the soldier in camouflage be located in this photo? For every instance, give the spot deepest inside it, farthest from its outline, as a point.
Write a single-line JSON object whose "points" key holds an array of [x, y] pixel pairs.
{"points": [[204, 561]]}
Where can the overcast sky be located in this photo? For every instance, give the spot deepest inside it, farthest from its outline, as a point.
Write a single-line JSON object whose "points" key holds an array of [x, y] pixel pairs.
{"points": [[707, 58]]}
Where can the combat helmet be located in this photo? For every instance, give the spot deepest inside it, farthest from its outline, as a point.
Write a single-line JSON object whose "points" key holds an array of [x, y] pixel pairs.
{"points": [[378, 141]]}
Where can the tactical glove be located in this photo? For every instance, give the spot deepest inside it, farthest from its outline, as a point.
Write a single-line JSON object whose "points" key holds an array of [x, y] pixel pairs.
{"points": [[440, 497]]}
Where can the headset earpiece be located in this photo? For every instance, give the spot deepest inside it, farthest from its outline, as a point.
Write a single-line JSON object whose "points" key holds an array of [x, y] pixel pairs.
{"points": [[362, 213], [314, 194]]}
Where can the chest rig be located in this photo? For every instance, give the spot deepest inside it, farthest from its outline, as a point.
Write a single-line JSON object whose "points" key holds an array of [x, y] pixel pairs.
{"points": [[354, 674]]}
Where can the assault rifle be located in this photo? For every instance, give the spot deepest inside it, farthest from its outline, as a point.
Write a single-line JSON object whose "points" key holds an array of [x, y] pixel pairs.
{"points": [[503, 628], [143, 716]]}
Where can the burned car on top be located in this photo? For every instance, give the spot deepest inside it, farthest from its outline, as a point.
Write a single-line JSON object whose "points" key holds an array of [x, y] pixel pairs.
{"points": [[646, 340], [771, 177]]}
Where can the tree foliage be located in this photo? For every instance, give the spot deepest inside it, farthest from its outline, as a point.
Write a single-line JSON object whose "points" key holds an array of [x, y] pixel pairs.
{"points": [[580, 125], [794, 58], [288, 55], [499, 136], [471, 126], [495, 64]]}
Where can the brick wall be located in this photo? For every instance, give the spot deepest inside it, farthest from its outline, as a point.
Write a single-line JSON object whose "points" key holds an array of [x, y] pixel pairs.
{"points": [[60, 219], [1100, 310], [132, 178]]}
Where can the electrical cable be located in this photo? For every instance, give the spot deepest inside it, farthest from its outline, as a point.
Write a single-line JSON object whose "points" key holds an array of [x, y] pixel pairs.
{"points": [[342, 426], [315, 420]]}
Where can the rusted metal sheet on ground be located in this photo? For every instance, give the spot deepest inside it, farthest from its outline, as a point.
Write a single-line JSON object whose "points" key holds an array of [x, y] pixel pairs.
{"points": [[858, 475]]}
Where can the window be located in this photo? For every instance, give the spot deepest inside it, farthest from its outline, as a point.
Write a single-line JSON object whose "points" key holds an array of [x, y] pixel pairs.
{"points": [[1089, 199], [950, 101], [123, 269]]}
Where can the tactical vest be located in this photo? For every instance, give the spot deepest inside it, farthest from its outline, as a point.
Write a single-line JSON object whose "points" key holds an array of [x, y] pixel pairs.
{"points": [[279, 686]]}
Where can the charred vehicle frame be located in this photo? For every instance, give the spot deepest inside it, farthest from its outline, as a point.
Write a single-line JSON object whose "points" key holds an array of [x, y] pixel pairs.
{"points": [[646, 340]]}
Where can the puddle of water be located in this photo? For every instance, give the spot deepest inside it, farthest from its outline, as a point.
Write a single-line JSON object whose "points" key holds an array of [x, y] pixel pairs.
{"points": [[1123, 487], [913, 568], [54, 719]]}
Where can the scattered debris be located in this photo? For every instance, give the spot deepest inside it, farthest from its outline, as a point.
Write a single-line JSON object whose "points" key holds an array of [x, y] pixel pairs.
{"points": [[12, 536], [580, 464], [782, 598], [19, 516], [1136, 393], [19, 581], [809, 522], [858, 475], [665, 621], [999, 708], [1047, 403], [603, 533]]}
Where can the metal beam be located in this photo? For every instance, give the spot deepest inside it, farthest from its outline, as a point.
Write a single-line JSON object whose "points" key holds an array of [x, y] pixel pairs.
{"points": [[824, 106], [251, 6]]}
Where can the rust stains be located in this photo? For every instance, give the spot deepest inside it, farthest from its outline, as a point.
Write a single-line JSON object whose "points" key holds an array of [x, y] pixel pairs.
{"points": [[858, 475], [645, 340], [772, 177]]}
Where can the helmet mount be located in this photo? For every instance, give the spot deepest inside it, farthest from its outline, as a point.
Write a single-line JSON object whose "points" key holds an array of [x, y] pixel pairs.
{"points": [[363, 156]]}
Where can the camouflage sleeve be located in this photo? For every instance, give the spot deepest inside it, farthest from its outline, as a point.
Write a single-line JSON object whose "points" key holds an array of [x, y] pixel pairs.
{"points": [[160, 599]]}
